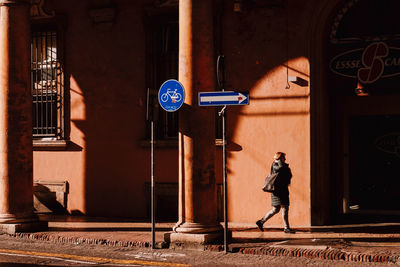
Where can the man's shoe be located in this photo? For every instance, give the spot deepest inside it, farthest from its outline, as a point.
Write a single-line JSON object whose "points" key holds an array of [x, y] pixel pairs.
{"points": [[289, 231], [260, 225]]}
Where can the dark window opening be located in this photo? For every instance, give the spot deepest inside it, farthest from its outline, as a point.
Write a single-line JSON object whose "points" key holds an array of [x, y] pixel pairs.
{"points": [[162, 57], [47, 85]]}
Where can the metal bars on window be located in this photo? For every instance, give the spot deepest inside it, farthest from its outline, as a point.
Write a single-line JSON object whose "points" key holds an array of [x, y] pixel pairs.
{"points": [[46, 85], [164, 66]]}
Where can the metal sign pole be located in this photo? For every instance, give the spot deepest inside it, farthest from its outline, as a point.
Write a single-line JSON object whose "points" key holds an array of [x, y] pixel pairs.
{"points": [[152, 189], [222, 114], [171, 96], [225, 184], [221, 83]]}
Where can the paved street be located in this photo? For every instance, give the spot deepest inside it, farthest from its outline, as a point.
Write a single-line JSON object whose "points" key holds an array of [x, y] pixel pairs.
{"points": [[24, 252]]}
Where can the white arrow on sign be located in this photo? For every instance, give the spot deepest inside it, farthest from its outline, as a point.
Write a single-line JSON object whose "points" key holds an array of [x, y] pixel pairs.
{"points": [[223, 98]]}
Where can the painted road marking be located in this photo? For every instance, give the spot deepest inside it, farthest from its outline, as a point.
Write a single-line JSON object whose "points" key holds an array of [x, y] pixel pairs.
{"points": [[149, 256], [88, 259], [46, 257]]}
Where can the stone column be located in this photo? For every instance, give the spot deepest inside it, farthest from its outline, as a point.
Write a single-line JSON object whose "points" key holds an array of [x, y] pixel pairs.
{"points": [[198, 205], [16, 182]]}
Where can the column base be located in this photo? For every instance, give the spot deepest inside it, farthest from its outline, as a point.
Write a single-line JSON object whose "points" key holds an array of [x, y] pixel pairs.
{"points": [[18, 217], [24, 222], [192, 241], [31, 226], [198, 228], [194, 236]]}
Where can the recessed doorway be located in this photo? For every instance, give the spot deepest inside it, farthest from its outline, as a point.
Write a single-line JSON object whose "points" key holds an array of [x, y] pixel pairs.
{"points": [[374, 165]]}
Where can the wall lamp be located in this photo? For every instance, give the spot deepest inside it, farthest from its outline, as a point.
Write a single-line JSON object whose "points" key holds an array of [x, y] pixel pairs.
{"points": [[238, 6], [298, 80]]}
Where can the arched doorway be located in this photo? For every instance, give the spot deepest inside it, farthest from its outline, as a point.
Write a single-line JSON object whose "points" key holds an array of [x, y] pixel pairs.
{"points": [[362, 67]]}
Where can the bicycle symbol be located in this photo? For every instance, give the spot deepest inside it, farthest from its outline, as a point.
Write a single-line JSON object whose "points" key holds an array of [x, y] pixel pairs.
{"points": [[175, 97]]}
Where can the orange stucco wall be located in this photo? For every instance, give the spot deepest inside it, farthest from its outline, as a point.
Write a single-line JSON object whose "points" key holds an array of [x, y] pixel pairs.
{"points": [[265, 46], [276, 120], [105, 164]]}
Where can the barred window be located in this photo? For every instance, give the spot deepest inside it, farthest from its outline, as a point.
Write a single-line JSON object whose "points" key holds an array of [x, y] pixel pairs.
{"points": [[47, 85], [162, 65]]}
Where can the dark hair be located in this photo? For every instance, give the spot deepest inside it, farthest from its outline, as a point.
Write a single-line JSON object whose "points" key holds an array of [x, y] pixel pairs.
{"points": [[278, 155]]}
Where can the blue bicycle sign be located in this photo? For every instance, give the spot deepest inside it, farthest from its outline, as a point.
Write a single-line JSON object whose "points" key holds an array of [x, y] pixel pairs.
{"points": [[171, 95]]}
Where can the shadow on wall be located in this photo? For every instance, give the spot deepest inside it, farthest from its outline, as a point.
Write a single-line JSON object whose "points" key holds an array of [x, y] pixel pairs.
{"points": [[105, 91], [116, 167]]}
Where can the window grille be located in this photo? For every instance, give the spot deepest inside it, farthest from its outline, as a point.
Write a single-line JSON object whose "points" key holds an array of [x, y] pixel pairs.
{"points": [[163, 66], [46, 86]]}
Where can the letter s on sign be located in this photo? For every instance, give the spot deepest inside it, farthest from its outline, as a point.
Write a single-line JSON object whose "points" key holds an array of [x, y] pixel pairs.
{"points": [[373, 63]]}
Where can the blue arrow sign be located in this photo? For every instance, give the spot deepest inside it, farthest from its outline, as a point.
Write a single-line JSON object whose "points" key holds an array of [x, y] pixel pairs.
{"points": [[223, 98], [171, 95]]}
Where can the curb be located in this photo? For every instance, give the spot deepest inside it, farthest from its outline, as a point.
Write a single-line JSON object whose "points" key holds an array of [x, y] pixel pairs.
{"points": [[324, 254]]}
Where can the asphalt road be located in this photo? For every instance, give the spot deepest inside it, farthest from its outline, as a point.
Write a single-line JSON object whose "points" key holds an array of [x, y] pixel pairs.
{"points": [[26, 252]]}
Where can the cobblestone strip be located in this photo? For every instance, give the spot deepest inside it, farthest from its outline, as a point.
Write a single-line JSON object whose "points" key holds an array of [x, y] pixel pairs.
{"points": [[328, 254], [89, 241]]}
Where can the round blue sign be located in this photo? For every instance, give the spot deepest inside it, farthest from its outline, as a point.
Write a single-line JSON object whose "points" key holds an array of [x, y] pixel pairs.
{"points": [[171, 95]]}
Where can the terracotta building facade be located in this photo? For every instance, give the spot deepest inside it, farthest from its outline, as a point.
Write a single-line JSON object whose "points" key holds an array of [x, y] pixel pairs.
{"points": [[79, 80]]}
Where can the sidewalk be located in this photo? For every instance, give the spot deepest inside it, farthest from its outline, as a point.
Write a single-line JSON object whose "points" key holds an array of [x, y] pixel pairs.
{"points": [[362, 243]]}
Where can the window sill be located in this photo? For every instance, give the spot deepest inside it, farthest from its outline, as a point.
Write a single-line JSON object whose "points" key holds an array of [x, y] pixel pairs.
{"points": [[166, 143], [172, 143], [40, 145]]}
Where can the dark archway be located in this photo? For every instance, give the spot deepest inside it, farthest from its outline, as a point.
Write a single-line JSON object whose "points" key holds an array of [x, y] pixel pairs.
{"points": [[355, 110]]}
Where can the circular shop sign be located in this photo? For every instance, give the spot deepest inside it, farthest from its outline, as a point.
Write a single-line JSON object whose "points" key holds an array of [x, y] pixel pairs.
{"points": [[171, 95]]}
